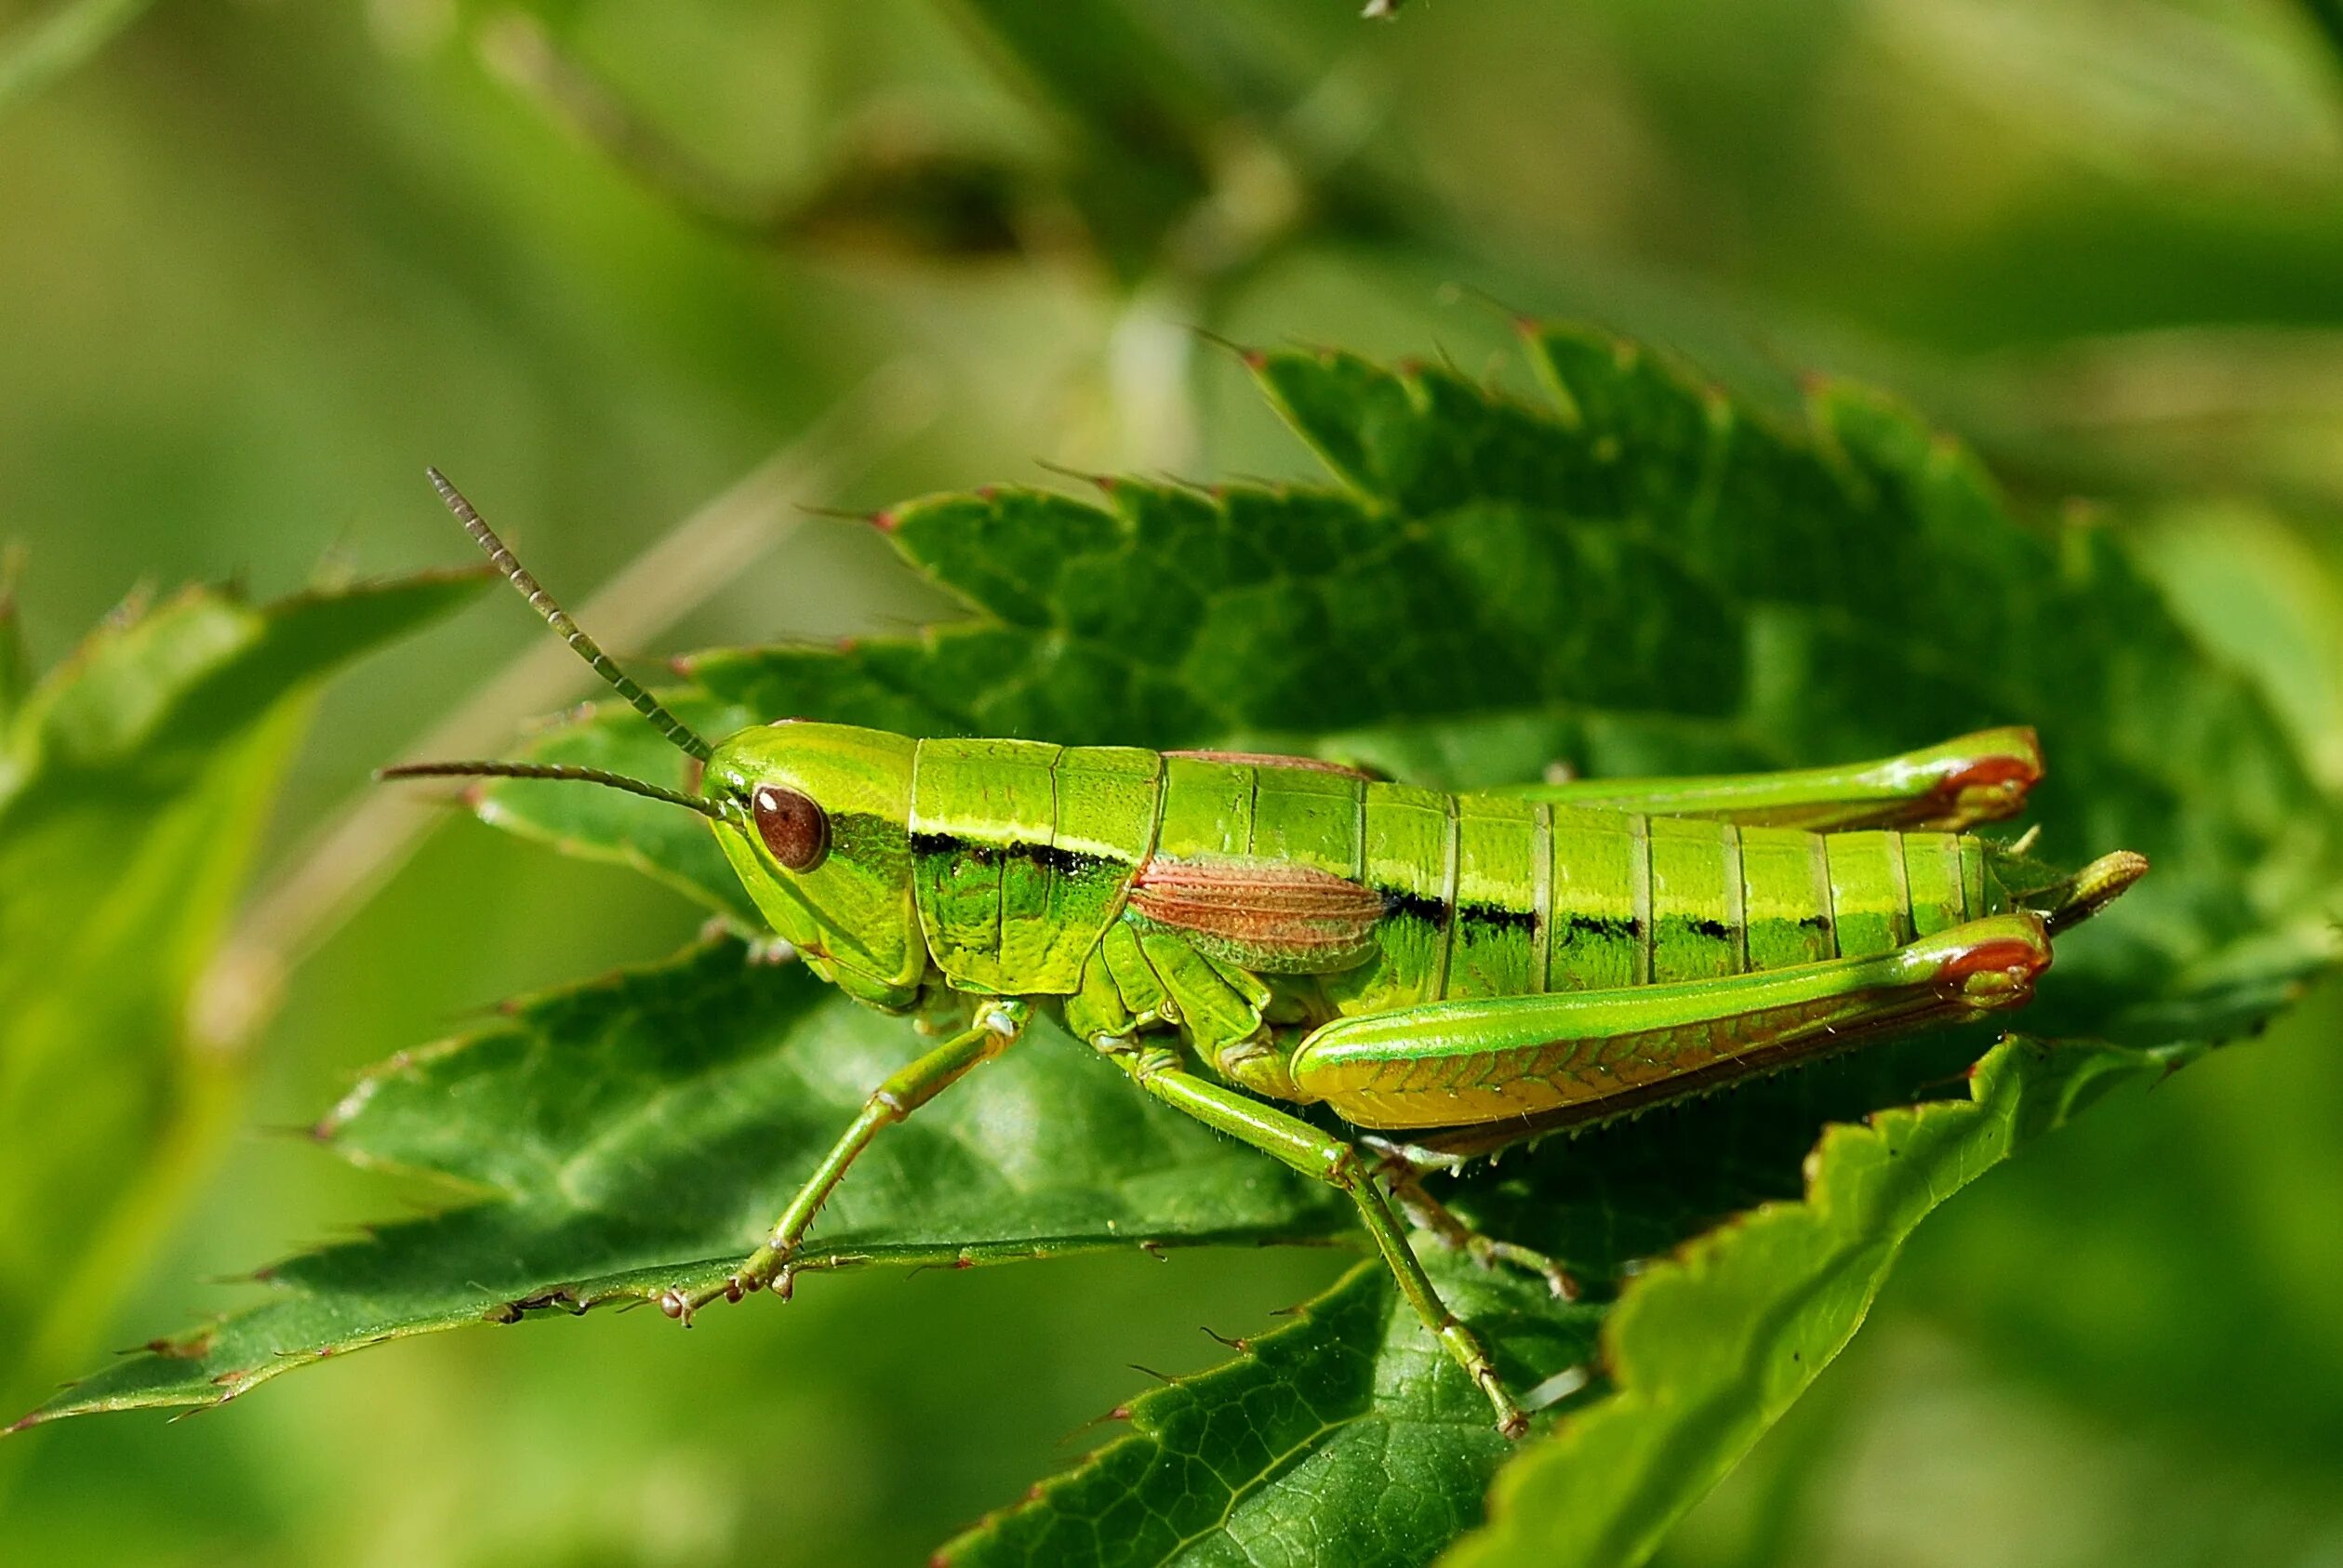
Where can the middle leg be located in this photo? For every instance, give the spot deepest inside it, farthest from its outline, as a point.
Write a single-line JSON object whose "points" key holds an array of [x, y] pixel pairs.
{"points": [[1406, 1182]]}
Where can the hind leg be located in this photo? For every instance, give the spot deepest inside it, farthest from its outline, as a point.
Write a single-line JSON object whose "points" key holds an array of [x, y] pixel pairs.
{"points": [[1328, 1158], [1979, 778], [1414, 1199]]}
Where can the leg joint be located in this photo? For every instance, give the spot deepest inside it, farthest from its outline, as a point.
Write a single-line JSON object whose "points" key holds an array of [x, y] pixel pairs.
{"points": [[1151, 1063]]}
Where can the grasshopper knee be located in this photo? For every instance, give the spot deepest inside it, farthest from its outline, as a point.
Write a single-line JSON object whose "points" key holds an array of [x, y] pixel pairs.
{"points": [[1339, 1164], [896, 1098]]}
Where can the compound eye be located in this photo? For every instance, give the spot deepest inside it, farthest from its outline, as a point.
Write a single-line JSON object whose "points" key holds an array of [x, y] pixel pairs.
{"points": [[793, 827]]}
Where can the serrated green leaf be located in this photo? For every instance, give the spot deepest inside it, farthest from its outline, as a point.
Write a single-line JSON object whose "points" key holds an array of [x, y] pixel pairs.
{"points": [[1630, 575], [1349, 1402], [1712, 1347], [135, 781], [1708, 1349], [640, 1125]]}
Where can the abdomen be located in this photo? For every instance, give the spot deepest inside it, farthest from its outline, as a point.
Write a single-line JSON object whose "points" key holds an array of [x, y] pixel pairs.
{"points": [[1494, 896]]}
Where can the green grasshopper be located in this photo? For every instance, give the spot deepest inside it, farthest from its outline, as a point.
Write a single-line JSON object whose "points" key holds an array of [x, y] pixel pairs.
{"points": [[1456, 973]]}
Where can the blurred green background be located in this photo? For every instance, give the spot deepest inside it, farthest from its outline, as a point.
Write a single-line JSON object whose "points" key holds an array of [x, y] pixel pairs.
{"points": [[261, 261]]}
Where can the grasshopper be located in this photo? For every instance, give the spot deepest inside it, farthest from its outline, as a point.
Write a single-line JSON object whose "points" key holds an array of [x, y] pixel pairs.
{"points": [[1450, 974]]}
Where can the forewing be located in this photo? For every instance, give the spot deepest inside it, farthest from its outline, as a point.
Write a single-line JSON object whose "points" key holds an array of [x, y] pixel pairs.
{"points": [[1272, 918]]}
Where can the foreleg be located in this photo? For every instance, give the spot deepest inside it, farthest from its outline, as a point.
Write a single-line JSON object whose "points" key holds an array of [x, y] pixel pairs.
{"points": [[997, 1025]]}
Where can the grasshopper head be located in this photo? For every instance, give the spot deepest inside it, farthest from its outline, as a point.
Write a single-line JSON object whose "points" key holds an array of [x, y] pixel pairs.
{"points": [[815, 820], [814, 817]]}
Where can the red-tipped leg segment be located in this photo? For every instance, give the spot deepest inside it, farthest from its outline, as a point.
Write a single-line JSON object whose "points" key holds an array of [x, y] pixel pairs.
{"points": [[1979, 778]]}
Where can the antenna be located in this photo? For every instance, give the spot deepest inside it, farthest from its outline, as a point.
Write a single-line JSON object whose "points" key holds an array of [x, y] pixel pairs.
{"points": [[677, 732], [554, 770]]}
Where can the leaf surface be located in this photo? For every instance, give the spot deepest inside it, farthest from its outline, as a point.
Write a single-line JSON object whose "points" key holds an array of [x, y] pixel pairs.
{"points": [[1620, 570], [642, 1123], [1349, 1403], [136, 779]]}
